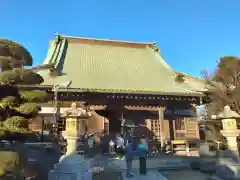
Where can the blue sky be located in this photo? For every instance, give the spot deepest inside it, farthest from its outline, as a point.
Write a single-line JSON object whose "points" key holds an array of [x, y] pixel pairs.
{"points": [[191, 34]]}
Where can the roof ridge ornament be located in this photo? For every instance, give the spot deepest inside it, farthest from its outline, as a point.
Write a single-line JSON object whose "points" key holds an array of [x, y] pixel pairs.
{"points": [[58, 39], [180, 77]]}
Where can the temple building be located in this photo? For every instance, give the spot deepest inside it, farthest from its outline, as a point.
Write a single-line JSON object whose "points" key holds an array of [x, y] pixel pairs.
{"points": [[122, 80]]}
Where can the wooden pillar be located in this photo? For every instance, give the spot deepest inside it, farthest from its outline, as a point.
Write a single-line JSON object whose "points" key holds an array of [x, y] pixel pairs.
{"points": [[161, 119], [106, 125], [122, 124]]}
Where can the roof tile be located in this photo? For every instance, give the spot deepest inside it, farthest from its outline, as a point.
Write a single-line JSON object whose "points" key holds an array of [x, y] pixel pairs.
{"points": [[106, 65]]}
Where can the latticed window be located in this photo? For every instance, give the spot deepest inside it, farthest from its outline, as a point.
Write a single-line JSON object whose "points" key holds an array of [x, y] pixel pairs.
{"points": [[156, 128]]}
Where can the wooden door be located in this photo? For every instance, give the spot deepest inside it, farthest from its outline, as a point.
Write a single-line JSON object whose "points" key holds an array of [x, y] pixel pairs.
{"points": [[192, 129], [179, 128]]}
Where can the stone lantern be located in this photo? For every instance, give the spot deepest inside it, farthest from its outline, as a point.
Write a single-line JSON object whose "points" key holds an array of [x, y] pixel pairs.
{"points": [[230, 130], [76, 122], [128, 127], [72, 164], [228, 165]]}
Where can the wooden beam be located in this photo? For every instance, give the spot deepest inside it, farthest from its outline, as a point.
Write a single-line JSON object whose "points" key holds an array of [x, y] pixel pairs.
{"points": [[52, 110], [66, 104], [142, 108], [97, 107]]}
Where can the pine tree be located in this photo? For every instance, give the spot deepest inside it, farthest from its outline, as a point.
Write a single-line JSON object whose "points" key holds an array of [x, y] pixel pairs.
{"points": [[17, 106]]}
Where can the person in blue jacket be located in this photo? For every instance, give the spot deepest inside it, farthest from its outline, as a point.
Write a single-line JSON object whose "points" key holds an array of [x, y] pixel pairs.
{"points": [[129, 156], [141, 152]]}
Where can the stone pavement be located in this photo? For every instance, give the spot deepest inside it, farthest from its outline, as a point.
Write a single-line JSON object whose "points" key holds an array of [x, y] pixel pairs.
{"points": [[151, 175], [120, 165], [170, 168], [168, 175], [153, 163], [184, 175]]}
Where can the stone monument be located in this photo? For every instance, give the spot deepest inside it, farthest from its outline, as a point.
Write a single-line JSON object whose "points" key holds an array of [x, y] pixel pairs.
{"points": [[228, 166], [72, 165]]}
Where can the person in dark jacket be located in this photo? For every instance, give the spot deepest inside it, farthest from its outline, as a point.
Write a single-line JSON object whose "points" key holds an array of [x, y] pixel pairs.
{"points": [[104, 143], [142, 154], [129, 156]]}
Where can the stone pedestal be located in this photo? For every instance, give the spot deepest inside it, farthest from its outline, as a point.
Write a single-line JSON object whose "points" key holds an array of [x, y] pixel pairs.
{"points": [[228, 166], [231, 136], [72, 165]]}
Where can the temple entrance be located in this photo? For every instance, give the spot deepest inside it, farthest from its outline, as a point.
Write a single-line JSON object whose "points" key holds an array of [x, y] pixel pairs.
{"points": [[114, 126], [114, 120]]}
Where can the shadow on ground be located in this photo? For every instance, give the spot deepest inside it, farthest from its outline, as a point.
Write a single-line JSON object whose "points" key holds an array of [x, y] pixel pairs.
{"points": [[24, 160]]}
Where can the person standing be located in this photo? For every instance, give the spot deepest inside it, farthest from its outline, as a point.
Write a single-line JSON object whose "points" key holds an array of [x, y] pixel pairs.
{"points": [[112, 144], [112, 141], [91, 143], [104, 144], [129, 155], [142, 154], [144, 141], [120, 146]]}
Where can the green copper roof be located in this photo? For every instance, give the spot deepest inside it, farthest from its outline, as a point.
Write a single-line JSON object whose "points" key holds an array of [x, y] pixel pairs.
{"points": [[111, 66]]}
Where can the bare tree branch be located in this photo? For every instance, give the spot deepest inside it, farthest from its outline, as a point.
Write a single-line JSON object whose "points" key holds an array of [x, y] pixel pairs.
{"points": [[224, 85]]}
